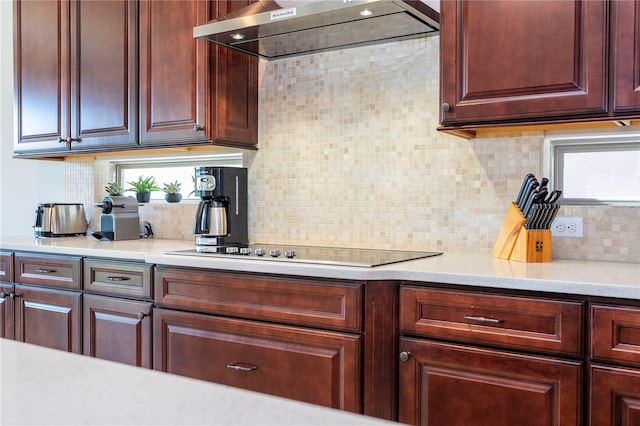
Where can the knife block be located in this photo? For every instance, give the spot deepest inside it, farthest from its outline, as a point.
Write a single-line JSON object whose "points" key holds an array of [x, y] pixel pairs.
{"points": [[515, 242]]}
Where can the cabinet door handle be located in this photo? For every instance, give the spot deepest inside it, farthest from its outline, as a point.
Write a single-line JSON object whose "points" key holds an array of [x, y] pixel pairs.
{"points": [[404, 356], [45, 271], [141, 315], [198, 128], [240, 367], [116, 278], [75, 140], [2, 296], [446, 107], [13, 295], [483, 319]]}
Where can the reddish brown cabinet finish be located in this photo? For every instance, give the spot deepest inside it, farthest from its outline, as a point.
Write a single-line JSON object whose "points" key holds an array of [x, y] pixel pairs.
{"points": [[48, 317], [192, 91], [544, 59], [6, 310], [318, 367], [350, 327], [447, 384], [625, 57], [76, 81], [615, 396], [117, 330], [233, 120], [526, 323], [478, 375], [118, 278], [48, 270]]}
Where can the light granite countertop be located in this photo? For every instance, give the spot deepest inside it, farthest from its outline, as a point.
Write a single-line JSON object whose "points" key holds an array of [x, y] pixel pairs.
{"points": [[607, 279], [41, 386]]}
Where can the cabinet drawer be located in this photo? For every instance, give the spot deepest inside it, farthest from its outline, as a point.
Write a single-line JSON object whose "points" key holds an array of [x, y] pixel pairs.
{"points": [[505, 321], [6, 267], [615, 334], [327, 304], [318, 367], [48, 270], [118, 278]]}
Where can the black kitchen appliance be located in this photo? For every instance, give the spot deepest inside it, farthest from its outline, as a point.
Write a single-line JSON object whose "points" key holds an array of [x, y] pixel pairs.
{"points": [[221, 219], [341, 256]]}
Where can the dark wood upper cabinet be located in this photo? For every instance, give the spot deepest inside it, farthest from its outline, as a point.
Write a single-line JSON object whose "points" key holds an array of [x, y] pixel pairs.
{"points": [[193, 92], [78, 89], [75, 75], [625, 57], [41, 75], [505, 61], [173, 70]]}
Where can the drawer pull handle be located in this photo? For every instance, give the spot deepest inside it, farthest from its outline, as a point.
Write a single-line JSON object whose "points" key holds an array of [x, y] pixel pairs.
{"points": [[238, 367], [117, 279], [45, 271], [483, 319]]}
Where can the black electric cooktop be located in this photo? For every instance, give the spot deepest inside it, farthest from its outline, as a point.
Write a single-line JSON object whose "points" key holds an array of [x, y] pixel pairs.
{"points": [[367, 258]]}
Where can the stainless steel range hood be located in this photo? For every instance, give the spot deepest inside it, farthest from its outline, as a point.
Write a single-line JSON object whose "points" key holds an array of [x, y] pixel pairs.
{"points": [[282, 28]]}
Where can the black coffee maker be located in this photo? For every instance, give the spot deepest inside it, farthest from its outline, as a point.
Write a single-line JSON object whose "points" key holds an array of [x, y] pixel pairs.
{"points": [[221, 220]]}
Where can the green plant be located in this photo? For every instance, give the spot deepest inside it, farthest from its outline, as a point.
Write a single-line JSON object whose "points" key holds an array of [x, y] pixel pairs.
{"points": [[113, 188], [144, 184], [193, 179], [172, 188]]}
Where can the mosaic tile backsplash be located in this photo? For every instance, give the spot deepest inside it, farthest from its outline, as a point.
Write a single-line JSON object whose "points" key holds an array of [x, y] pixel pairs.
{"points": [[349, 156]]}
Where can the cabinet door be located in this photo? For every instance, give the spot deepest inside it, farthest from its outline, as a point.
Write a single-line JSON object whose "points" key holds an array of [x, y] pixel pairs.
{"points": [[625, 56], [41, 75], [6, 311], [312, 366], [173, 72], [48, 318], [614, 397], [445, 384], [505, 61], [104, 64], [117, 330], [234, 100]]}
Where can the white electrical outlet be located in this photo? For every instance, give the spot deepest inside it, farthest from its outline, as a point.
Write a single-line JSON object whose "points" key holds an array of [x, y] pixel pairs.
{"points": [[567, 227]]}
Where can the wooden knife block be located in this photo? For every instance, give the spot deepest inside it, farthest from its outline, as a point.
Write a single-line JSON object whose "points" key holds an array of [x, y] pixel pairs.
{"points": [[514, 242]]}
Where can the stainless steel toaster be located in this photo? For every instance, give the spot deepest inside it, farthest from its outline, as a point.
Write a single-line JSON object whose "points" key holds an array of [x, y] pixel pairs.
{"points": [[60, 220]]}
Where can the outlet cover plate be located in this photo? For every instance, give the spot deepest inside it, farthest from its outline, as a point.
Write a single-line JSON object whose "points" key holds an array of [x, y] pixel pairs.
{"points": [[567, 227]]}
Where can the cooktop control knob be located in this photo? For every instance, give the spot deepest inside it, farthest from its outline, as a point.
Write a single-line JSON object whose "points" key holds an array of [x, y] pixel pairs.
{"points": [[289, 254], [274, 253], [259, 252], [232, 250], [245, 251]]}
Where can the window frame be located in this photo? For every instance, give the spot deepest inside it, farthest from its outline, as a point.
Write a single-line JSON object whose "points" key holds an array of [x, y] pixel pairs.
{"points": [[559, 143]]}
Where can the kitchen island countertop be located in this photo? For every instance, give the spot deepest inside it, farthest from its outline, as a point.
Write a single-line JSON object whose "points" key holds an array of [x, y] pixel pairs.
{"points": [[51, 387], [591, 278]]}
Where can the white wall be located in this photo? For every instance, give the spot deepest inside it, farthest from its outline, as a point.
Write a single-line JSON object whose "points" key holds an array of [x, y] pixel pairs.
{"points": [[23, 183]]}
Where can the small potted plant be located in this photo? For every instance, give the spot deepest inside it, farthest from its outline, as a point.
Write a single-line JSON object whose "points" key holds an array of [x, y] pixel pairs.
{"points": [[172, 192], [113, 188], [143, 188]]}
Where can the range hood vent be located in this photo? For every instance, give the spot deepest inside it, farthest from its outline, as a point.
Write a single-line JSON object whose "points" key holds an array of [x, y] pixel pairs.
{"points": [[283, 28]]}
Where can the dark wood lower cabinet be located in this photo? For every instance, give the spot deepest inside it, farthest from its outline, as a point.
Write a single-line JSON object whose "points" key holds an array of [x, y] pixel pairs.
{"points": [[6, 310], [319, 367], [614, 396], [48, 317], [449, 385], [117, 330]]}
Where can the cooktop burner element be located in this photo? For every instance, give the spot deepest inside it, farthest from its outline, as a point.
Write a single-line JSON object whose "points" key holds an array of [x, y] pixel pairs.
{"points": [[309, 254]]}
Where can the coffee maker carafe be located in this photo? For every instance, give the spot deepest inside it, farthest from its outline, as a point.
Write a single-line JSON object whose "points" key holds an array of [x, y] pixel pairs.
{"points": [[221, 218]]}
